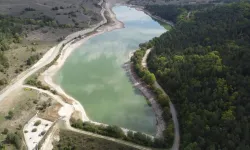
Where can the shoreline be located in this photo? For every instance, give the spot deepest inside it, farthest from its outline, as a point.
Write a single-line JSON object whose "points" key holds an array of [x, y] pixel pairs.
{"points": [[47, 75], [142, 87]]}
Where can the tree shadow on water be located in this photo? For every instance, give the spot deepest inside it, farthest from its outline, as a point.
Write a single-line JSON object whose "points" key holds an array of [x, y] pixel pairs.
{"points": [[127, 67]]}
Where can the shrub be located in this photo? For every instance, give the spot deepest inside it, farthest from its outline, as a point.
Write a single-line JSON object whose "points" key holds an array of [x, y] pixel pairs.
{"points": [[32, 59], [42, 133], [37, 123], [115, 131], [14, 139], [3, 81], [29, 9], [34, 130], [5, 131], [20, 127], [54, 8], [35, 101], [10, 114]]}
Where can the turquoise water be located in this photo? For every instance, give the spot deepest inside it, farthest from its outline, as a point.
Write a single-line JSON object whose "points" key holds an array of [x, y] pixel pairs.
{"points": [[94, 73]]}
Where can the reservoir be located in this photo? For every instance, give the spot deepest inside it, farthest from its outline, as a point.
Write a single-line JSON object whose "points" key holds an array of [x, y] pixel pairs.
{"points": [[94, 74]]}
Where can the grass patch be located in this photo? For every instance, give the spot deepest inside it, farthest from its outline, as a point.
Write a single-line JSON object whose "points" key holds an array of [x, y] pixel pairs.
{"points": [[73, 140], [2, 118], [164, 24]]}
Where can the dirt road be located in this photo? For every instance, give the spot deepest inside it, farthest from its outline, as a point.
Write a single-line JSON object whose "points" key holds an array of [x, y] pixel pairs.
{"points": [[176, 143]]}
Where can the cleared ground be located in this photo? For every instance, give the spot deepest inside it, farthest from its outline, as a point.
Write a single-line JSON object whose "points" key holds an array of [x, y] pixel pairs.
{"points": [[35, 130], [23, 104]]}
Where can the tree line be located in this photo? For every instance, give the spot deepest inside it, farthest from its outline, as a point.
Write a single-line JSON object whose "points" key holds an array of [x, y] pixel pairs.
{"points": [[116, 132], [149, 78]]}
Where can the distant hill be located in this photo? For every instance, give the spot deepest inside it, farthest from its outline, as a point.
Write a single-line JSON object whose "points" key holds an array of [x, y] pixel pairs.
{"points": [[175, 2]]}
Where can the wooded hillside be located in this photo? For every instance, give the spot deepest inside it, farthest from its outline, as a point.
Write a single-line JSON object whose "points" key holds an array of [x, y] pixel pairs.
{"points": [[203, 64]]}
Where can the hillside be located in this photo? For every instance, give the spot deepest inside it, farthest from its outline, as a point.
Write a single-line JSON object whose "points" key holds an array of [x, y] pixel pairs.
{"points": [[29, 28], [175, 2], [203, 65]]}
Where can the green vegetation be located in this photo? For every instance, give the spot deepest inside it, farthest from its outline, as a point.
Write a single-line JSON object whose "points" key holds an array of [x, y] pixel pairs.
{"points": [[42, 133], [72, 140], [115, 132], [34, 130], [165, 25], [32, 59], [34, 82], [203, 64], [175, 13], [3, 81], [54, 8], [161, 98], [29, 9], [167, 12], [37, 123], [5, 131], [10, 115], [13, 30], [112, 131], [15, 139]]}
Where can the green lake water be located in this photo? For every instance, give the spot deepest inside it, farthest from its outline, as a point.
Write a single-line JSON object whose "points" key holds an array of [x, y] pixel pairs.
{"points": [[94, 73]]}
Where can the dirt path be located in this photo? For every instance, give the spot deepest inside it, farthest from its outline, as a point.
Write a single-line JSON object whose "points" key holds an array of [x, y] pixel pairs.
{"points": [[144, 59], [176, 143]]}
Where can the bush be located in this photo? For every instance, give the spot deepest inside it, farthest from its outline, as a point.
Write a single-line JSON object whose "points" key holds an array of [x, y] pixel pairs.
{"points": [[10, 115], [20, 127], [5, 131], [14, 139], [115, 131], [42, 133], [34, 130], [35, 101], [112, 131], [37, 123], [3, 81], [29, 9], [54, 8], [32, 59], [33, 49]]}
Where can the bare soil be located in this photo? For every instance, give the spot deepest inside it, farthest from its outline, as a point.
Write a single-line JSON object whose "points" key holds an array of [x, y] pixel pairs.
{"points": [[25, 103]]}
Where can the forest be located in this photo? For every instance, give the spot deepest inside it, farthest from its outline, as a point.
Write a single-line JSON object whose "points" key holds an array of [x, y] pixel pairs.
{"points": [[203, 65]]}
